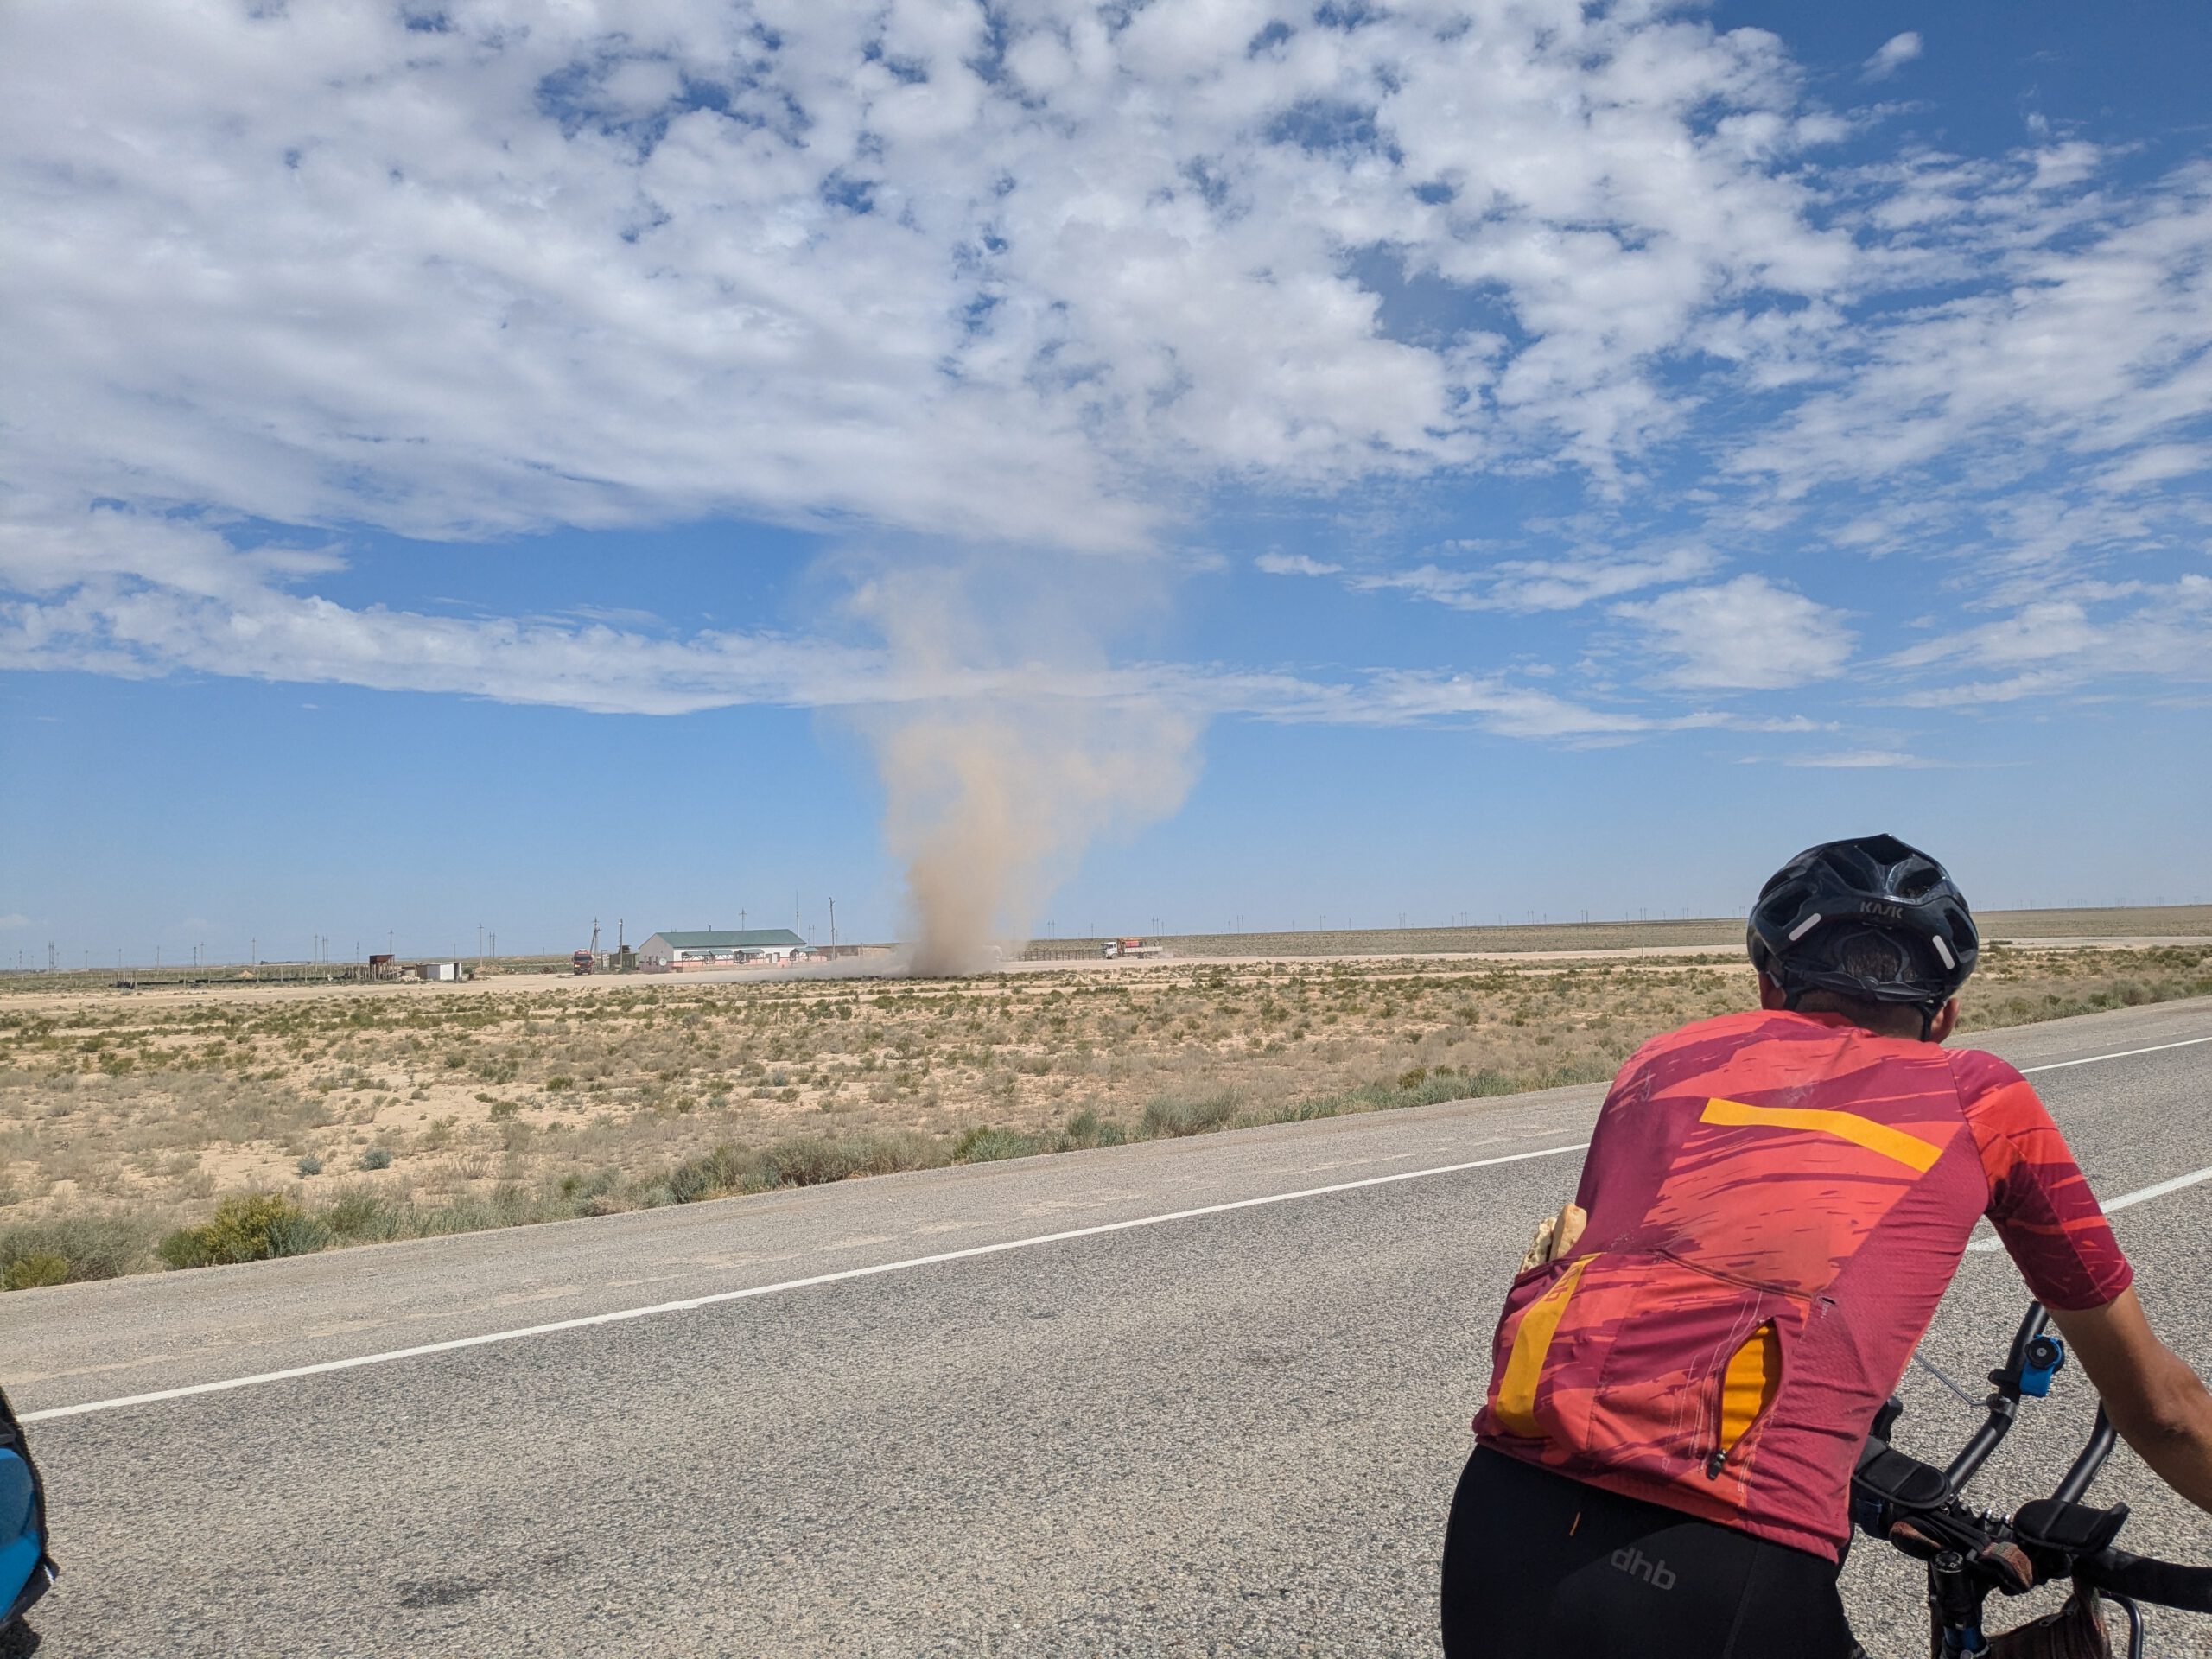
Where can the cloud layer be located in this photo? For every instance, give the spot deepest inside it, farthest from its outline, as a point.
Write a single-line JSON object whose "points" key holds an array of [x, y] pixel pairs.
{"points": [[1047, 276]]}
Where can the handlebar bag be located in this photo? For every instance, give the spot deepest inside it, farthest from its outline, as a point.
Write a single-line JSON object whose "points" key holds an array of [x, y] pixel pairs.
{"points": [[26, 1569], [2074, 1632]]}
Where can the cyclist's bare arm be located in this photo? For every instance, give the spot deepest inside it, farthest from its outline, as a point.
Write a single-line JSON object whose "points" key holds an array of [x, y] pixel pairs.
{"points": [[2158, 1403]]}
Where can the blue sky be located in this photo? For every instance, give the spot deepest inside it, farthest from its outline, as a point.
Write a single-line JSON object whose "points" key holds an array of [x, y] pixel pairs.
{"points": [[1233, 459]]}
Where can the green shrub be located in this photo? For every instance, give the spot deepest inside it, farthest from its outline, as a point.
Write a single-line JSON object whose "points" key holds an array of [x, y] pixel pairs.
{"points": [[309, 1165], [801, 1160], [31, 1272], [723, 1170], [1174, 1115], [376, 1158], [983, 1145], [360, 1214], [811, 1159], [246, 1227], [1086, 1130], [90, 1247], [576, 1186]]}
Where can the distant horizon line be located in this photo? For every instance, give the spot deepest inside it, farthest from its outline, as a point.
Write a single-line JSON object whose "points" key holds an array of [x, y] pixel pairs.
{"points": [[1531, 921]]}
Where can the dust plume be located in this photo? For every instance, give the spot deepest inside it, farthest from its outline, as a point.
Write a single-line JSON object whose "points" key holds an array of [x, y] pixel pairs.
{"points": [[1008, 750]]}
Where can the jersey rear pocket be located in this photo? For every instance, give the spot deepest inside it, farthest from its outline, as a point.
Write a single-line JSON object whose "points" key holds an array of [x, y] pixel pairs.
{"points": [[1639, 1360], [1534, 1328], [1691, 1371]]}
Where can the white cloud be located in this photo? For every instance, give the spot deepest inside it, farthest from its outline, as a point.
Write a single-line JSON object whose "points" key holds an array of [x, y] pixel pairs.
{"points": [[1294, 564], [2085, 633], [13, 920], [808, 261], [1747, 634], [600, 668], [1892, 55], [1531, 585], [1040, 277], [1853, 759], [2087, 338], [1566, 584]]}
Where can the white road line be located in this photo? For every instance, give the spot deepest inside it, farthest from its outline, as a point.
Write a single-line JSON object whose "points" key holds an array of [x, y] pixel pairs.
{"points": [[2160, 1190], [2141, 1195], [2059, 1065], [691, 1302]]}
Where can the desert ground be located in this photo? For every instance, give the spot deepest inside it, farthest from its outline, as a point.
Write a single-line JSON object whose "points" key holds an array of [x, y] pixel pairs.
{"points": [[185, 1125]]}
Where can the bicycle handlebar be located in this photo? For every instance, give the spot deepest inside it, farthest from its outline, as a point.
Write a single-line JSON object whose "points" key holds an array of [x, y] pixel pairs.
{"points": [[2145, 1578], [2004, 1402], [1916, 1507], [2103, 1438]]}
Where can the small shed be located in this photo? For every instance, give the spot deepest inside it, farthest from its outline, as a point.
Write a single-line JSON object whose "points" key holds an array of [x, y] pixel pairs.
{"points": [[438, 970]]}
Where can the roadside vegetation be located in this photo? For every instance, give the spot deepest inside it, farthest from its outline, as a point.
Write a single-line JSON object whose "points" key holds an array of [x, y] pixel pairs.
{"points": [[182, 1129]]}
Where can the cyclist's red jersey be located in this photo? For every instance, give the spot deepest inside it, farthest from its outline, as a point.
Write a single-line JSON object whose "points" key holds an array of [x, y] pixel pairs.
{"points": [[1776, 1203]]}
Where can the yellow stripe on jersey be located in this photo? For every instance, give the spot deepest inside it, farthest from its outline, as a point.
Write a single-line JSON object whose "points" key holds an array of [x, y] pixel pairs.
{"points": [[1517, 1393], [1849, 1126]]}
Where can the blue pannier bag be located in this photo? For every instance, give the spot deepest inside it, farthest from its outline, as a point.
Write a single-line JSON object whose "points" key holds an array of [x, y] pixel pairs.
{"points": [[25, 1567]]}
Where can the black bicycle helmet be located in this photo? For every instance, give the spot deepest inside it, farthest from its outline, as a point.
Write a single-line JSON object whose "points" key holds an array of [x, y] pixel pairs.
{"points": [[1869, 917]]}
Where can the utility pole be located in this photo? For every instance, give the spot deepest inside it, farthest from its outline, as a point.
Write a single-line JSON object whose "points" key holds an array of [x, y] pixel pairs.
{"points": [[833, 924]]}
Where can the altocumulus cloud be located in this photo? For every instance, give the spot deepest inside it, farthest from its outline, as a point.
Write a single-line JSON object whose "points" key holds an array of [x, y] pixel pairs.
{"points": [[1743, 635], [1041, 278]]}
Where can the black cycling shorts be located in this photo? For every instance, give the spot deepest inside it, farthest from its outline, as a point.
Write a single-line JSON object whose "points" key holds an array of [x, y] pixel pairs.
{"points": [[1538, 1565]]}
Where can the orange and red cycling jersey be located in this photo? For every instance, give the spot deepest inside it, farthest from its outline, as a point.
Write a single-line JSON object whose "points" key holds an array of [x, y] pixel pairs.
{"points": [[1776, 1202]]}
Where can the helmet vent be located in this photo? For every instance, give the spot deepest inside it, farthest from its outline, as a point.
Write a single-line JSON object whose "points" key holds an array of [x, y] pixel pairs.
{"points": [[1943, 950], [1804, 927]]}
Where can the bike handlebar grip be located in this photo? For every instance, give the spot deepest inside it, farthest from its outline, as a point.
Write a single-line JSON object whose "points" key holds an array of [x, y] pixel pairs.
{"points": [[2168, 1583], [2093, 1457]]}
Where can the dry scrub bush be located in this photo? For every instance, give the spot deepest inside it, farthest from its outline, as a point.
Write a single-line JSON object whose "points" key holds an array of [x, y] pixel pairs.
{"points": [[617, 1097]]}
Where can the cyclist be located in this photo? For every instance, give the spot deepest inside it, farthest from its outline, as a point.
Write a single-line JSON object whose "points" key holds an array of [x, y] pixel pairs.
{"points": [[1771, 1206]]}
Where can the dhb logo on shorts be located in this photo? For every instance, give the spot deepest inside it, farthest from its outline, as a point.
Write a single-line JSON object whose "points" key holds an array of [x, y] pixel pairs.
{"points": [[1657, 1574]]}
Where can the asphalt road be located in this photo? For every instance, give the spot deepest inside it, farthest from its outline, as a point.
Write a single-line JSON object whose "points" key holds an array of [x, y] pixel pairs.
{"points": [[1229, 1432]]}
